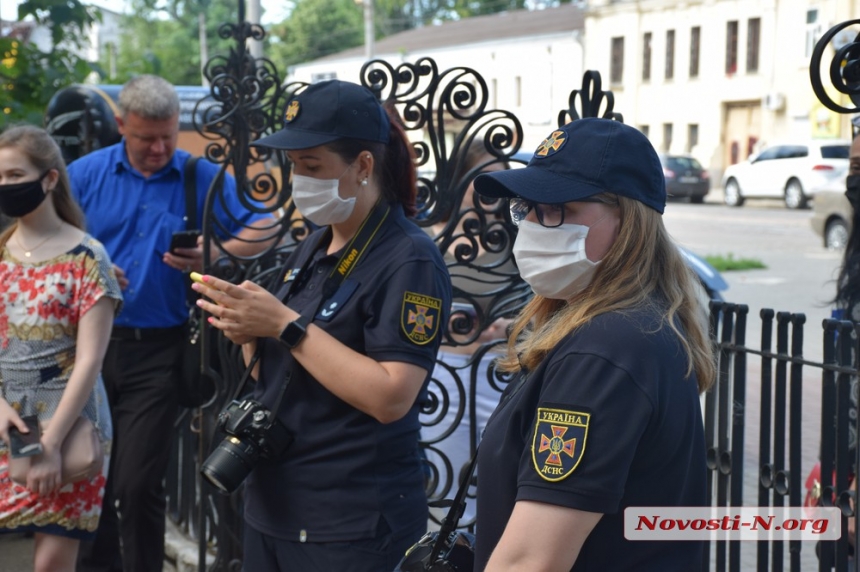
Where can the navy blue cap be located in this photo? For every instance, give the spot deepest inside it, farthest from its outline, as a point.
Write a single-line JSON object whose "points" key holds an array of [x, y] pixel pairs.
{"points": [[586, 157], [327, 111]]}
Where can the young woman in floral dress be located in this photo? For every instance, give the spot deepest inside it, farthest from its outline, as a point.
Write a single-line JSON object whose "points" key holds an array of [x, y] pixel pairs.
{"points": [[58, 296]]}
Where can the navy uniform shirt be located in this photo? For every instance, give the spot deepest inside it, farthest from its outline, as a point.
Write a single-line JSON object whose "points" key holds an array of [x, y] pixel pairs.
{"points": [[346, 474], [608, 420]]}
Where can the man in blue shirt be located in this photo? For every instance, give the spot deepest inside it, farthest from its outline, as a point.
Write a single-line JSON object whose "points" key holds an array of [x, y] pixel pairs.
{"points": [[134, 199]]}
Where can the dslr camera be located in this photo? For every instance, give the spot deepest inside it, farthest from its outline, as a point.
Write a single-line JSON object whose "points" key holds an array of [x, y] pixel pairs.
{"points": [[253, 432]]}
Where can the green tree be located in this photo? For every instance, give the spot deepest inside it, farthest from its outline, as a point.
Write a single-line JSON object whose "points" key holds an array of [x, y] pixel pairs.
{"points": [[29, 76], [176, 54], [315, 29]]}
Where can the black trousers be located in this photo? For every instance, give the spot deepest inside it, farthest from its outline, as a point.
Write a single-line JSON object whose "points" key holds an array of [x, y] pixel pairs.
{"points": [[264, 553], [140, 377]]}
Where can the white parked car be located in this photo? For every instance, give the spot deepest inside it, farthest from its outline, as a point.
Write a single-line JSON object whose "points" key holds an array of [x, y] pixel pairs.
{"points": [[790, 171]]}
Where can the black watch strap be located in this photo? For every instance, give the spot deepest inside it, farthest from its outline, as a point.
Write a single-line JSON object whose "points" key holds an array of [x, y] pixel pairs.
{"points": [[294, 332]]}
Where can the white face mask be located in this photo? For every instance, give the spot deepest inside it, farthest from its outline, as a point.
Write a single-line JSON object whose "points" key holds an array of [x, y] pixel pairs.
{"points": [[552, 260], [319, 201]]}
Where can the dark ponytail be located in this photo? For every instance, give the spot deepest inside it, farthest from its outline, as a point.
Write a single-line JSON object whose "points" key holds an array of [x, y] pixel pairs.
{"points": [[397, 170]]}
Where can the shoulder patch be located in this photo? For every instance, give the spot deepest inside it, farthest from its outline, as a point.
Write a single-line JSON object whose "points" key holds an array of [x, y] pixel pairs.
{"points": [[420, 317], [559, 441]]}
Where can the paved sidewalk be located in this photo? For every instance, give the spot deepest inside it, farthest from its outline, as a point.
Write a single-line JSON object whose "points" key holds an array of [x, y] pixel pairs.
{"points": [[16, 554]]}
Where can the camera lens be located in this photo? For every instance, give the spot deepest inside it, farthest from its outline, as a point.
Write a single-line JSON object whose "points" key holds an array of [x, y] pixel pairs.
{"points": [[229, 464]]}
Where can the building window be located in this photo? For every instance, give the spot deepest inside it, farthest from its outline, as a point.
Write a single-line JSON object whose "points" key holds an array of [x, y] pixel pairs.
{"points": [[731, 47], [644, 129], [695, 39], [667, 137], [753, 41], [518, 90], [670, 54], [646, 56], [813, 30], [616, 65], [692, 136]]}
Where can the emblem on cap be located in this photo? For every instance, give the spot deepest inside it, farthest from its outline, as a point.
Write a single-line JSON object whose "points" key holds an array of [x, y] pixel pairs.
{"points": [[559, 441], [292, 111], [551, 144], [420, 317]]}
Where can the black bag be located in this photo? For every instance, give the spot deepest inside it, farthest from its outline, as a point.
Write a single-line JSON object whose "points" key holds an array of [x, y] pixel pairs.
{"points": [[454, 552], [446, 549], [195, 387]]}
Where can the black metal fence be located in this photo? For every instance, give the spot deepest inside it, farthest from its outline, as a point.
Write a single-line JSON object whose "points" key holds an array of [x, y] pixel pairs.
{"points": [[449, 110], [795, 413]]}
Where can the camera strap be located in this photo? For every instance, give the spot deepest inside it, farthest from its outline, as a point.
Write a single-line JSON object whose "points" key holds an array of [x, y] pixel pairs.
{"points": [[349, 259], [352, 254]]}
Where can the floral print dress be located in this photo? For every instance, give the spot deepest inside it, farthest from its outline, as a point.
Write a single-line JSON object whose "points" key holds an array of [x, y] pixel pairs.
{"points": [[41, 305]]}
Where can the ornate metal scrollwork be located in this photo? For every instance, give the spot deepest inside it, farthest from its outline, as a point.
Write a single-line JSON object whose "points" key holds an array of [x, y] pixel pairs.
{"points": [[591, 99], [844, 69], [456, 136]]}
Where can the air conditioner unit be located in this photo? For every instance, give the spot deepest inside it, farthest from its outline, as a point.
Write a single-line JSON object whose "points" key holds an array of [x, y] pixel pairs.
{"points": [[774, 101]]}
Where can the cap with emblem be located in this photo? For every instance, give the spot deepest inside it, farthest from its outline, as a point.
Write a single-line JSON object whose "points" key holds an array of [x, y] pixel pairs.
{"points": [[327, 111], [581, 159]]}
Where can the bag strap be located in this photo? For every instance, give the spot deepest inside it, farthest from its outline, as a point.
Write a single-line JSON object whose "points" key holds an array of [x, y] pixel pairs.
{"points": [[458, 506], [190, 179]]}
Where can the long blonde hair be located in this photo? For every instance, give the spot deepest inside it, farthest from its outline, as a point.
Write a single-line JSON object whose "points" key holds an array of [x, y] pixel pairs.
{"points": [[643, 267], [44, 154]]}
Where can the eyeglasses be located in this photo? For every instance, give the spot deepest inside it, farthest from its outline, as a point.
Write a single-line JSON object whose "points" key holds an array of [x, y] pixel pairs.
{"points": [[549, 216]]}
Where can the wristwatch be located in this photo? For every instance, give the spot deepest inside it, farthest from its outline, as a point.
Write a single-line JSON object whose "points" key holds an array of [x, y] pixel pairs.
{"points": [[294, 332]]}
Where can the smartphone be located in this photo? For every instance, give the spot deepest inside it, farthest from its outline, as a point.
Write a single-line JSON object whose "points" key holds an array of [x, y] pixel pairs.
{"points": [[25, 444], [184, 239]]}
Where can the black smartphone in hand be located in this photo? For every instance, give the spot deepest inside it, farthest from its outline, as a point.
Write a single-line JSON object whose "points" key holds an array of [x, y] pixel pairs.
{"points": [[25, 444], [184, 239]]}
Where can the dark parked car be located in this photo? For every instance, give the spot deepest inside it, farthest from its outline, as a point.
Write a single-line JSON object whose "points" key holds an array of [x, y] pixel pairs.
{"points": [[685, 177]]}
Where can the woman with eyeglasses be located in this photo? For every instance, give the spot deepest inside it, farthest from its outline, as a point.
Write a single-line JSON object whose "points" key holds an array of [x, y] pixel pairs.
{"points": [[613, 352]]}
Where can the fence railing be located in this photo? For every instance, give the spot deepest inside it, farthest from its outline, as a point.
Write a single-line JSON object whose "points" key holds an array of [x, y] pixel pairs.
{"points": [[769, 419]]}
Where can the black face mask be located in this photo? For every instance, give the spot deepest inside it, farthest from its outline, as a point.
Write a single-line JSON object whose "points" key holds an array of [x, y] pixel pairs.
{"points": [[19, 199]]}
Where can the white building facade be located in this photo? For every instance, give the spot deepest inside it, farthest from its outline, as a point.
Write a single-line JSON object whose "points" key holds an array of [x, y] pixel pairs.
{"points": [[716, 78], [530, 60]]}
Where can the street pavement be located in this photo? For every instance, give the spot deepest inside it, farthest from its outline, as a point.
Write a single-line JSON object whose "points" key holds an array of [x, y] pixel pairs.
{"points": [[799, 277]]}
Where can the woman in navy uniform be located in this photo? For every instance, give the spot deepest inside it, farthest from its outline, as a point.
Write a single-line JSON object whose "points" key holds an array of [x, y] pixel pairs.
{"points": [[613, 350], [348, 494]]}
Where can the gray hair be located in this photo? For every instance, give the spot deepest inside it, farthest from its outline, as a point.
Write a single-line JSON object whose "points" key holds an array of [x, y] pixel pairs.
{"points": [[150, 97]]}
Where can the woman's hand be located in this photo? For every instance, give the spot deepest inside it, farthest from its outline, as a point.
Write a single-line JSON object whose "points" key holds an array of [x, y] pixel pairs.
{"points": [[243, 312], [8, 418], [45, 474], [121, 278]]}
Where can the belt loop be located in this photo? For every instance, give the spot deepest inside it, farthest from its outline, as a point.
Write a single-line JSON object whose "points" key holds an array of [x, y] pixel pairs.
{"points": [[138, 335]]}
